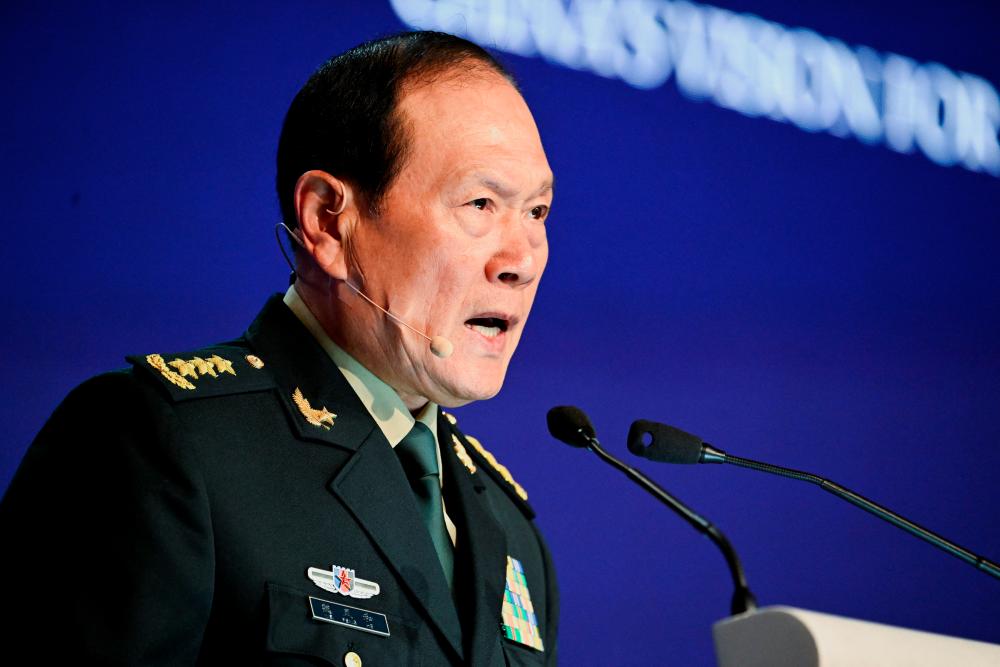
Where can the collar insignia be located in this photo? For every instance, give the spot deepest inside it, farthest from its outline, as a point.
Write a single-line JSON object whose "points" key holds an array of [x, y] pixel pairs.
{"points": [[321, 417]]}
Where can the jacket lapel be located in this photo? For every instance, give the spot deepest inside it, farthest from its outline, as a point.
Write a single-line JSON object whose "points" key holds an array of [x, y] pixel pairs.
{"points": [[481, 554], [371, 483]]}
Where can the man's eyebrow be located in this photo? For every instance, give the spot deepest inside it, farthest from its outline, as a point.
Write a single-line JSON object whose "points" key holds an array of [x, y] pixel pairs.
{"points": [[506, 191], [547, 186], [496, 186]]}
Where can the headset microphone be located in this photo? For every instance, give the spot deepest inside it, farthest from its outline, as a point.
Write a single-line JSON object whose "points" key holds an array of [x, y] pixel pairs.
{"points": [[440, 346]]}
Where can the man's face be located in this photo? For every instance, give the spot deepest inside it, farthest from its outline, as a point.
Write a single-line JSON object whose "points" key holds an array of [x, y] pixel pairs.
{"points": [[459, 245]]}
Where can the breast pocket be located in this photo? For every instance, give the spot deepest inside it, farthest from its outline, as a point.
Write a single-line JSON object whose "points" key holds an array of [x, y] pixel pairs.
{"points": [[294, 637], [516, 655]]}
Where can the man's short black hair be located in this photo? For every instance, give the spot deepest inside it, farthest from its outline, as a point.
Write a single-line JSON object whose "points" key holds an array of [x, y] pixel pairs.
{"points": [[344, 122]]}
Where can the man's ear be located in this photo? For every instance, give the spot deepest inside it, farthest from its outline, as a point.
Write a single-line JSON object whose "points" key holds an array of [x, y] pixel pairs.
{"points": [[327, 211]]}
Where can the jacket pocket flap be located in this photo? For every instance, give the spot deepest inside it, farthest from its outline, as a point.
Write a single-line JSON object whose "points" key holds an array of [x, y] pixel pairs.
{"points": [[293, 629]]}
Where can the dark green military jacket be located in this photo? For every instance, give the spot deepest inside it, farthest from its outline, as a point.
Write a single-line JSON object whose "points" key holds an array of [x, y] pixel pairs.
{"points": [[168, 514]]}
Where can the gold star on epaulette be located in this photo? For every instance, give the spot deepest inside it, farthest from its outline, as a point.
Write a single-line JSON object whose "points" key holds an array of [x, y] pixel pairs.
{"points": [[185, 368], [203, 367], [463, 455], [500, 468], [321, 417], [222, 365], [156, 361]]}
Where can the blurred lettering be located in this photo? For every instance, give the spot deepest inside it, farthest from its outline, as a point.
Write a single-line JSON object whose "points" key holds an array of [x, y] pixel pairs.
{"points": [[744, 63]]}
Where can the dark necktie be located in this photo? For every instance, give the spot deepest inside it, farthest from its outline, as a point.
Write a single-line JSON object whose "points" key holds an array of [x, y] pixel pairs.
{"points": [[418, 454]]}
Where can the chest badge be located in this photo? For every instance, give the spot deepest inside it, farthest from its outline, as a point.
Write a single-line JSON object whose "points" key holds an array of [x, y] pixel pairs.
{"points": [[342, 580], [520, 624]]}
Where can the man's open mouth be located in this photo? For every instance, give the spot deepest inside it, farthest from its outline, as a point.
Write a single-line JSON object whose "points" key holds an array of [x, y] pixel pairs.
{"points": [[491, 327]]}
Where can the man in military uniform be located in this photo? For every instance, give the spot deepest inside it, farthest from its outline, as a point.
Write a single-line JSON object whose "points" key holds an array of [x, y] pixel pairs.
{"points": [[297, 496]]}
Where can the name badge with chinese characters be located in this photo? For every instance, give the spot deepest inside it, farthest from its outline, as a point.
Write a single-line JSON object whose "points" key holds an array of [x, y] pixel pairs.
{"points": [[349, 617]]}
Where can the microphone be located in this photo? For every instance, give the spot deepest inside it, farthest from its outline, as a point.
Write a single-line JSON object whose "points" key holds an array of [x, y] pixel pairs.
{"points": [[667, 444], [570, 425], [440, 346]]}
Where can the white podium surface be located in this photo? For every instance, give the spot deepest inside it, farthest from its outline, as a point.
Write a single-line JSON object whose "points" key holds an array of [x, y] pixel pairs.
{"points": [[789, 637]]}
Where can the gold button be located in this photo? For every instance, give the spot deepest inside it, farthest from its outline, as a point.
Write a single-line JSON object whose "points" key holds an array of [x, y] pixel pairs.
{"points": [[352, 659]]}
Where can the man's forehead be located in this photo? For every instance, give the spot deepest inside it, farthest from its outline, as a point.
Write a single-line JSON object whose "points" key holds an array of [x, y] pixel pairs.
{"points": [[475, 129], [464, 96]]}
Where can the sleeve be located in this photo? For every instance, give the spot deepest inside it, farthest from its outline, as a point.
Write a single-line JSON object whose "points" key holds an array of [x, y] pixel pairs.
{"points": [[107, 535]]}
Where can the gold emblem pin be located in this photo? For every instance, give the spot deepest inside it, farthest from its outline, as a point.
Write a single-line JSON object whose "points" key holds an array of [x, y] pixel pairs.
{"points": [[322, 417], [255, 361]]}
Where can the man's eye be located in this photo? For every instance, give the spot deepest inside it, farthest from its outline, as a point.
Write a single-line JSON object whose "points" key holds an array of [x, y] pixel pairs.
{"points": [[482, 203], [539, 212]]}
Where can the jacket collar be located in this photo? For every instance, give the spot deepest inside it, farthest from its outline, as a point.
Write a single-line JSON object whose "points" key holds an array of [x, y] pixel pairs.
{"points": [[382, 401], [297, 361]]}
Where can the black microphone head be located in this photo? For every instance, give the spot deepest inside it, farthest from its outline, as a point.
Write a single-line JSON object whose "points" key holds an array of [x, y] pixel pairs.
{"points": [[566, 423], [666, 443]]}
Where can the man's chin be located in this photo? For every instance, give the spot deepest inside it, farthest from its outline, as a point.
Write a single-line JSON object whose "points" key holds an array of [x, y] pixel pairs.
{"points": [[457, 396]]}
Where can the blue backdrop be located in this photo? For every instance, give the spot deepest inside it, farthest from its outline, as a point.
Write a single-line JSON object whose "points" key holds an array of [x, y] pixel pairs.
{"points": [[797, 297]]}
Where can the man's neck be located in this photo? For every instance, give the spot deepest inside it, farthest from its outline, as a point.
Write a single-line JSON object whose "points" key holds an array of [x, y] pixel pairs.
{"points": [[319, 302]]}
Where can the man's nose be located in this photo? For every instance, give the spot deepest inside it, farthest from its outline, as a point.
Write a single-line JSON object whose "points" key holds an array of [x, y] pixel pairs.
{"points": [[514, 264]]}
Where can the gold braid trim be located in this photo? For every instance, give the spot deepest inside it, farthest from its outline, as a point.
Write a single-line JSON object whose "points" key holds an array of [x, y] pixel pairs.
{"points": [[499, 467], [156, 361]]}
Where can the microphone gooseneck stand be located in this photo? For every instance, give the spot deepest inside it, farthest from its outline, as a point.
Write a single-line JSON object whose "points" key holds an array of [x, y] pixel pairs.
{"points": [[884, 513], [571, 426], [669, 444], [743, 600]]}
